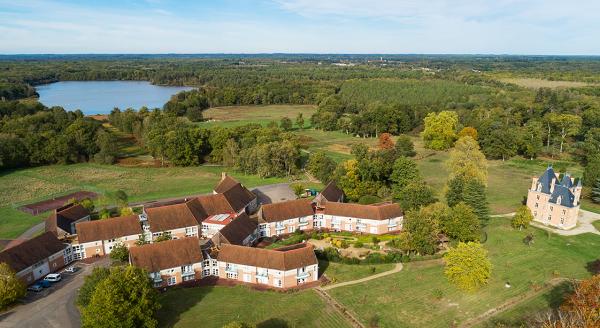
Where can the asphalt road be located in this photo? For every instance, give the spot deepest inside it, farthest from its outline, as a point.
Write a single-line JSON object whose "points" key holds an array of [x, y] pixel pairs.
{"points": [[52, 308]]}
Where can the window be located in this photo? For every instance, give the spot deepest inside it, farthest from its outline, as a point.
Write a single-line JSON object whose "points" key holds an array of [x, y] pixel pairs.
{"points": [[536, 205], [187, 269], [562, 220], [551, 208], [538, 197], [232, 275], [190, 231], [171, 281], [277, 283], [549, 217], [188, 278]]}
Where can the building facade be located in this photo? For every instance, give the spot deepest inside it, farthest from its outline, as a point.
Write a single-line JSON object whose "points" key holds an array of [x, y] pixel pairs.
{"points": [[97, 238], [554, 201], [285, 217], [373, 219], [287, 267], [33, 259]]}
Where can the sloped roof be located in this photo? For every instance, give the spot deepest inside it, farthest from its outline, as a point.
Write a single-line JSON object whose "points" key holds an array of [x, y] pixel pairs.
{"points": [[64, 216], [285, 210], [238, 229], [546, 179], [108, 228], [238, 196], [331, 192], [176, 216], [225, 184], [216, 204], [288, 258], [563, 194], [566, 181], [166, 254], [32, 251], [372, 212]]}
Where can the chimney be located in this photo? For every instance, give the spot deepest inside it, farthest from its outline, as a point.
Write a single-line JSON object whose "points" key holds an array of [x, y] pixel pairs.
{"points": [[223, 175]]}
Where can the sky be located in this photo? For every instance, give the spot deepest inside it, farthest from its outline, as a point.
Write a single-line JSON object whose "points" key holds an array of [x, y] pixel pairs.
{"points": [[536, 27]]}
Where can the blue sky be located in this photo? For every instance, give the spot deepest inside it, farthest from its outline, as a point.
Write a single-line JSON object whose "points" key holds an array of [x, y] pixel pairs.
{"points": [[301, 26]]}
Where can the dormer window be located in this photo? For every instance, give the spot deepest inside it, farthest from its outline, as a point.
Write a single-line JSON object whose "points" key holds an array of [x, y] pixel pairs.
{"points": [[558, 200], [539, 187]]}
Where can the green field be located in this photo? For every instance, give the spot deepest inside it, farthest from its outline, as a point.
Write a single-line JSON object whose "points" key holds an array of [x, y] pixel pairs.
{"points": [[240, 115], [523, 314], [406, 299], [217, 306], [346, 272], [28, 185]]}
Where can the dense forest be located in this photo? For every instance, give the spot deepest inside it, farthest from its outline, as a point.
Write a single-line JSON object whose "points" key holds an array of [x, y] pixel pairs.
{"points": [[364, 95]]}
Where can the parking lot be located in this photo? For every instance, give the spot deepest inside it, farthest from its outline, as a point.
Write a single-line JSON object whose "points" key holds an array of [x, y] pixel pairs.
{"points": [[53, 306]]}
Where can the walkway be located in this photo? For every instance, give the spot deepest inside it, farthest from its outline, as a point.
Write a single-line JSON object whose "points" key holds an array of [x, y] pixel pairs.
{"points": [[351, 318], [584, 225], [396, 269]]}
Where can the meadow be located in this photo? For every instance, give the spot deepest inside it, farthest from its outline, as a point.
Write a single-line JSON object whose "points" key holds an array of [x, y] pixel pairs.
{"points": [[533, 83], [195, 307], [146, 183], [231, 116], [420, 296]]}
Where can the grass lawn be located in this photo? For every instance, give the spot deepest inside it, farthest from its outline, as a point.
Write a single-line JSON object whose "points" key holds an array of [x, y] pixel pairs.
{"points": [[596, 224], [523, 314], [14, 222], [240, 115], [340, 272], [407, 298], [217, 306], [33, 184]]}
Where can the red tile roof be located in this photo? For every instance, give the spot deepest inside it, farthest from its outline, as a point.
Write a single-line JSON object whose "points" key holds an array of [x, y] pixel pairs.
{"points": [[108, 229], [167, 254], [371, 212], [163, 218], [285, 210], [291, 257], [32, 251]]}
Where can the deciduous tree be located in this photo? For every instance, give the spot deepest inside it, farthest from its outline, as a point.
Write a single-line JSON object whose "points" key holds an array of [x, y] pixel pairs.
{"points": [[120, 252], [462, 223], [440, 130], [415, 195], [11, 288], [522, 218], [468, 266], [467, 161], [125, 298], [385, 141], [321, 166], [405, 147]]}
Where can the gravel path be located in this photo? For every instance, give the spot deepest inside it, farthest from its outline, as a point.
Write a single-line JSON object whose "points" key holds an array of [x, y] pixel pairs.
{"points": [[396, 269]]}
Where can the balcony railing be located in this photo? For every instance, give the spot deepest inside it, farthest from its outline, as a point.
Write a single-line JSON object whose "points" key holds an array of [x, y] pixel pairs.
{"points": [[231, 269], [303, 223], [187, 272], [262, 274]]}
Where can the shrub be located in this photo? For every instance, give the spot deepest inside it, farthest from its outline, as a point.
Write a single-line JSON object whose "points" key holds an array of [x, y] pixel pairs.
{"points": [[343, 244], [437, 294], [375, 240], [358, 244]]}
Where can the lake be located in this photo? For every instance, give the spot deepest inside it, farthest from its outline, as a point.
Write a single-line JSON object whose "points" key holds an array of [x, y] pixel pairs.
{"points": [[100, 97]]}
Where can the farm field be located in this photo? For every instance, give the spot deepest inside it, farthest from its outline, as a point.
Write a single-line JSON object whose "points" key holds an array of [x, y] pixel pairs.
{"points": [[32, 184], [411, 297], [241, 115], [194, 307], [534, 83]]}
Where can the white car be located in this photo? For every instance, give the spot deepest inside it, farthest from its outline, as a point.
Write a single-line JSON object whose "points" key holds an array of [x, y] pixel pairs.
{"points": [[71, 269], [53, 277]]}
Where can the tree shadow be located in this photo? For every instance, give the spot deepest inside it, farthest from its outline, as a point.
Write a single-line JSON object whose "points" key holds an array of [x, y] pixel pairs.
{"points": [[262, 197], [557, 295], [177, 301], [593, 267], [273, 323]]}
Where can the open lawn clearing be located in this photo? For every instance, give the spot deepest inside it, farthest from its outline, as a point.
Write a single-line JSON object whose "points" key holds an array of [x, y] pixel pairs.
{"points": [[335, 144], [521, 314], [34, 184], [408, 298], [14, 222], [217, 306], [339, 272], [596, 224], [241, 115], [126, 143], [533, 83]]}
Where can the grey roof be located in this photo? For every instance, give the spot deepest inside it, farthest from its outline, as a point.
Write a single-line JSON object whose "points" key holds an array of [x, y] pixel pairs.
{"points": [[546, 179], [566, 196], [566, 181]]}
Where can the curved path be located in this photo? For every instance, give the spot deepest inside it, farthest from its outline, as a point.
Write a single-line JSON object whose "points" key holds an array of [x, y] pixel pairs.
{"points": [[396, 269]]}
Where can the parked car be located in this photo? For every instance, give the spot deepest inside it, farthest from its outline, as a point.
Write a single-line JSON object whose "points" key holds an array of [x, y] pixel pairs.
{"points": [[44, 283], [53, 277], [71, 269], [35, 288]]}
